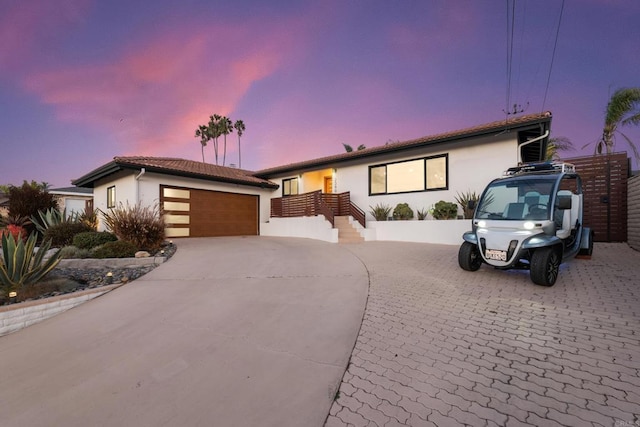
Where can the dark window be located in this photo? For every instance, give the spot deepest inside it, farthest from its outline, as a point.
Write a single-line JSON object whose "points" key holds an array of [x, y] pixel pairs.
{"points": [[428, 173]]}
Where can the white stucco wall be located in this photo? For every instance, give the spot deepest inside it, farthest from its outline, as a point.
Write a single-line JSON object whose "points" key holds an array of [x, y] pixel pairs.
{"points": [[446, 232], [471, 167], [147, 190], [311, 227]]}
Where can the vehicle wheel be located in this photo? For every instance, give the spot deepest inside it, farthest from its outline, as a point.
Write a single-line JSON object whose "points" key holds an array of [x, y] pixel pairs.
{"points": [[469, 257], [545, 264], [589, 250]]}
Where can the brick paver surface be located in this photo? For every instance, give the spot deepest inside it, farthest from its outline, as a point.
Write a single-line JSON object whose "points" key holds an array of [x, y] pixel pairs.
{"points": [[440, 346]]}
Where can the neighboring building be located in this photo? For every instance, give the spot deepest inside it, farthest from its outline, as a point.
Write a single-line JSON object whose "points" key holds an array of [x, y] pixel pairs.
{"points": [[4, 204], [201, 199], [73, 200]]}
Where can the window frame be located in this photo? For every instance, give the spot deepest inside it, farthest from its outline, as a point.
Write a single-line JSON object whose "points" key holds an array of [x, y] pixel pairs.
{"points": [[425, 177], [111, 197], [289, 181]]}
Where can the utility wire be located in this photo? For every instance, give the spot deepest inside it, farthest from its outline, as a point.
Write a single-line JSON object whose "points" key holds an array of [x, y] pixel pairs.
{"points": [[553, 55]]}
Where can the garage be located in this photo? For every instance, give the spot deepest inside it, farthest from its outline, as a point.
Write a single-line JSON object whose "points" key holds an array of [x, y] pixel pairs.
{"points": [[191, 212]]}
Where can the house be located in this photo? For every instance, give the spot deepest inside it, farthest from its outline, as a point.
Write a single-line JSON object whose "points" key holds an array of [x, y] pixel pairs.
{"points": [[304, 199], [73, 200]]}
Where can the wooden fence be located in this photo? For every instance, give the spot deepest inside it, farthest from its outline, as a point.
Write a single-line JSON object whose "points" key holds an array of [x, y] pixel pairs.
{"points": [[604, 180], [633, 209], [317, 203]]}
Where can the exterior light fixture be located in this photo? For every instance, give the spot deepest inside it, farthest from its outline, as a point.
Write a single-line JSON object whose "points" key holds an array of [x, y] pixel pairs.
{"points": [[109, 278]]}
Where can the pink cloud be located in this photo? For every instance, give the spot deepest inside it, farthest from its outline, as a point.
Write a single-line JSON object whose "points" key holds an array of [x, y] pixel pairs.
{"points": [[154, 94]]}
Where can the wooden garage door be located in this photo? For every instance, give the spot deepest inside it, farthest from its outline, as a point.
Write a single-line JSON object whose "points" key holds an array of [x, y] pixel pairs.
{"points": [[191, 212]]}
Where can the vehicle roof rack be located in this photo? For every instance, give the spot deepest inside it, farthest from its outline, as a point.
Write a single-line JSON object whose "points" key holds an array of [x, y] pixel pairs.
{"points": [[541, 167]]}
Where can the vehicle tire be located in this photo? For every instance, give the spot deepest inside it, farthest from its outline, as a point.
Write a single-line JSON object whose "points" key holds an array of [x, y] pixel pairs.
{"points": [[545, 265], [589, 250], [469, 257]]}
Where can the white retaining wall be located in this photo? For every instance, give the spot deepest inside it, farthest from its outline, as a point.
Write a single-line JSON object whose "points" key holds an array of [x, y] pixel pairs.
{"points": [[18, 316], [312, 227]]}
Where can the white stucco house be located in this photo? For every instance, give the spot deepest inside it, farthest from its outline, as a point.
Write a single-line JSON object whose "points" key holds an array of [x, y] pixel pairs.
{"points": [[73, 200], [316, 197]]}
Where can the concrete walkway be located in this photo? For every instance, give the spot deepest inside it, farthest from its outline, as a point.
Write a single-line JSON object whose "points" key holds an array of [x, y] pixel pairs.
{"points": [[230, 332]]}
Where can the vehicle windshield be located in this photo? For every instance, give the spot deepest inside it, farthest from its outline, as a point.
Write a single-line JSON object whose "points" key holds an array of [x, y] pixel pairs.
{"points": [[517, 199]]}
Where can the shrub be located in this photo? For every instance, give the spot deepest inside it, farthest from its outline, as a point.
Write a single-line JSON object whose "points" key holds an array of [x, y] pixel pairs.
{"points": [[380, 212], [28, 199], [402, 212], [422, 214], [445, 210], [89, 217], [91, 239], [62, 234], [117, 249], [463, 200], [142, 226], [22, 265], [72, 252]]}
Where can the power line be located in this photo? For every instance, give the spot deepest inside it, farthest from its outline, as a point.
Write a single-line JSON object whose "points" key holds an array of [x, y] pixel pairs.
{"points": [[553, 55]]}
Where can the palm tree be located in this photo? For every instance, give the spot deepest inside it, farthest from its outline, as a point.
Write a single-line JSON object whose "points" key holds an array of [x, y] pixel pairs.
{"points": [[225, 128], [349, 148], [240, 128], [561, 143], [213, 129], [203, 133], [623, 109]]}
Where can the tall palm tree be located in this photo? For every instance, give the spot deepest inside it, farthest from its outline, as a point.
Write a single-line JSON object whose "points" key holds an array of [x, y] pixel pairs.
{"points": [[203, 133], [240, 128], [214, 132], [561, 143], [623, 109], [225, 128]]}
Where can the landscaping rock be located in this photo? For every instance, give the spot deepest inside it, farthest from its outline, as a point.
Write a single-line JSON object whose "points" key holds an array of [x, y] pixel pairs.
{"points": [[142, 254]]}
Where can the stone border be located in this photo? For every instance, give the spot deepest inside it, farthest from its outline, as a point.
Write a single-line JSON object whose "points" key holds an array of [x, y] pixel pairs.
{"points": [[110, 262], [14, 317]]}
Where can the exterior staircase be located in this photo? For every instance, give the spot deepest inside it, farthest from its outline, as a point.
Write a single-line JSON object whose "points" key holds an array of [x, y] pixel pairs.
{"points": [[347, 233]]}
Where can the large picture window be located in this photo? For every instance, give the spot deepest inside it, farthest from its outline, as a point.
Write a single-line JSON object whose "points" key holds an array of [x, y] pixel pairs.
{"points": [[289, 186], [423, 174], [111, 197]]}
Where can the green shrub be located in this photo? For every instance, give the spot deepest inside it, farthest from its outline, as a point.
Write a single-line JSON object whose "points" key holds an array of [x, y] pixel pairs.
{"points": [[422, 214], [445, 210], [72, 252], [142, 226], [380, 212], [402, 212], [91, 239], [22, 266], [62, 234], [117, 249]]}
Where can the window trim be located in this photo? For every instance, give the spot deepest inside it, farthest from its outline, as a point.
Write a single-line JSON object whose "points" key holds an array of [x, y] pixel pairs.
{"points": [[111, 197], [425, 180]]}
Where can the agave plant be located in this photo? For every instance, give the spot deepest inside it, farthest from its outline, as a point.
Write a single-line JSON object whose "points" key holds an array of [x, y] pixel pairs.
{"points": [[21, 265], [46, 219]]}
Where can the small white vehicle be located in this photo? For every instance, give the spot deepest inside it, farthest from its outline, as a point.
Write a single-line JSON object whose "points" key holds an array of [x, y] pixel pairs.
{"points": [[529, 219]]}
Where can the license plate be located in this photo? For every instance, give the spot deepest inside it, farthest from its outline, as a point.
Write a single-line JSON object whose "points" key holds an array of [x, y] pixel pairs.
{"points": [[495, 254]]}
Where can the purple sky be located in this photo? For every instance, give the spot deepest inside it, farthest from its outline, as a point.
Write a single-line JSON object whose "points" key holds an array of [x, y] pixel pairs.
{"points": [[82, 81]]}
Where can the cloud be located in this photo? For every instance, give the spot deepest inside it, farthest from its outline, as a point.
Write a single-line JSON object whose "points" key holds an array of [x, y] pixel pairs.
{"points": [[155, 92], [29, 28]]}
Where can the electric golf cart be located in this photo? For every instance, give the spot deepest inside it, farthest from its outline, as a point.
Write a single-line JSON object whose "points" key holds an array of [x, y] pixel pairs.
{"points": [[531, 218]]}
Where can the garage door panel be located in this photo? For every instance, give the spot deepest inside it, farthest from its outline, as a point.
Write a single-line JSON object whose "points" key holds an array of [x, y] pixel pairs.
{"points": [[216, 213]]}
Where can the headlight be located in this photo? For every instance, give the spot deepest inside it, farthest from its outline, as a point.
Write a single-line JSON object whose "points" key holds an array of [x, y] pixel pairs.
{"points": [[482, 224], [529, 225]]}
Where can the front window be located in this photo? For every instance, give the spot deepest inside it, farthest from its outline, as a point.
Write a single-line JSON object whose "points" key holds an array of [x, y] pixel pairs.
{"points": [[409, 176], [289, 186], [111, 197], [517, 199]]}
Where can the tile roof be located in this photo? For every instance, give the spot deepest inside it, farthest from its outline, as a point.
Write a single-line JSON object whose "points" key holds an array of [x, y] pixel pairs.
{"points": [[176, 166], [488, 128]]}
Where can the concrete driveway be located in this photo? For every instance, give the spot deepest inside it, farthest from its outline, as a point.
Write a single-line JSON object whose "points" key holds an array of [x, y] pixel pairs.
{"points": [[230, 332], [440, 346]]}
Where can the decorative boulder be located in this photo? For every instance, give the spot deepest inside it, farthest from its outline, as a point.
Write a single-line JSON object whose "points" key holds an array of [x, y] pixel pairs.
{"points": [[142, 254]]}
